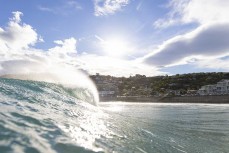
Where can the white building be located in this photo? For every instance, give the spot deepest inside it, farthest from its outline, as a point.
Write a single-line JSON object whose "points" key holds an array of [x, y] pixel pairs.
{"points": [[207, 90], [222, 87], [106, 93]]}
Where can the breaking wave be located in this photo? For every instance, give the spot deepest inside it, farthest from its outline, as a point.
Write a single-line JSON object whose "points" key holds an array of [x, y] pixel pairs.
{"points": [[47, 117]]}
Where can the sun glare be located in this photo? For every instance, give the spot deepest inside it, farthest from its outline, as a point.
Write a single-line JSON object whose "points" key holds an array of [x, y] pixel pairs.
{"points": [[116, 47]]}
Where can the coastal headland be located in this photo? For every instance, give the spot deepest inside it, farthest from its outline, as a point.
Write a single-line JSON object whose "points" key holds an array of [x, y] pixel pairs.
{"points": [[180, 88]]}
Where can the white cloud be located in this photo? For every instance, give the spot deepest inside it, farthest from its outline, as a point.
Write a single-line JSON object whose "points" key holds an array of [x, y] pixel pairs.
{"points": [[139, 6], [16, 35], [206, 11], [46, 9], [18, 56], [17, 17], [74, 5], [199, 11], [65, 8], [213, 63], [105, 7], [207, 41], [67, 46]]}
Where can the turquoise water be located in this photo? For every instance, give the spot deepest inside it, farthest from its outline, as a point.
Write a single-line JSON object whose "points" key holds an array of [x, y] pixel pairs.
{"points": [[42, 117]]}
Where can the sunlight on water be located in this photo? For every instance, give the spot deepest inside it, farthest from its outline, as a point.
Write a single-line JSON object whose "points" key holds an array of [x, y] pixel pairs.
{"points": [[114, 108], [92, 127]]}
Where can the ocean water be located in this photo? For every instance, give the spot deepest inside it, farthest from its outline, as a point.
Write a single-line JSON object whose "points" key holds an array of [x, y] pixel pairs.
{"points": [[49, 118]]}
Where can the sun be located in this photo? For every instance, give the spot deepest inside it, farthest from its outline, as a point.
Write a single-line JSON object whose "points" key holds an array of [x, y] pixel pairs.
{"points": [[116, 47]]}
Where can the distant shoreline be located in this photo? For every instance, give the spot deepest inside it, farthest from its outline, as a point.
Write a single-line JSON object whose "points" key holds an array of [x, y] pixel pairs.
{"points": [[214, 99]]}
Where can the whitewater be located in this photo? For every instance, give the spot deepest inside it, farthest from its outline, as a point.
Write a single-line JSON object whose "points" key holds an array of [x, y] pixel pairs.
{"points": [[42, 117]]}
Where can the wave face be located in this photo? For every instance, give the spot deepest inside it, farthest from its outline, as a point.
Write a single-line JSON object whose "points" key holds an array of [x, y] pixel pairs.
{"points": [[47, 117]]}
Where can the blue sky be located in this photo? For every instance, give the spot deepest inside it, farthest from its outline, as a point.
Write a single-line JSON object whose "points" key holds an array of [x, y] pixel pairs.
{"points": [[117, 37]]}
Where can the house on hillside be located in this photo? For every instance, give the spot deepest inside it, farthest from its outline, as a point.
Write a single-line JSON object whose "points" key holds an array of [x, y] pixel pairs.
{"points": [[207, 90], [222, 87], [107, 93]]}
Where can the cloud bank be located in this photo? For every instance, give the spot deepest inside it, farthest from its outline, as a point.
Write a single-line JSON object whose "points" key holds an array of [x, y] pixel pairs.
{"points": [[188, 11], [210, 40], [207, 41]]}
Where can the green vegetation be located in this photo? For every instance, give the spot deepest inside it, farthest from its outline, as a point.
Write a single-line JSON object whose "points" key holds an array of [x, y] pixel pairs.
{"points": [[140, 85]]}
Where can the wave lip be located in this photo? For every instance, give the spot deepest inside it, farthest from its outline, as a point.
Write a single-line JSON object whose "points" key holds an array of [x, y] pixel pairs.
{"points": [[77, 84]]}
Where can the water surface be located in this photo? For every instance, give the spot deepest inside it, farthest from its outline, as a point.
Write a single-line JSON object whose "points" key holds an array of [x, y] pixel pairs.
{"points": [[39, 117], [170, 127]]}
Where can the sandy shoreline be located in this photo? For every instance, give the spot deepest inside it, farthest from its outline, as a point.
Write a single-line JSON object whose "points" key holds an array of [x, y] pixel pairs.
{"points": [[214, 99]]}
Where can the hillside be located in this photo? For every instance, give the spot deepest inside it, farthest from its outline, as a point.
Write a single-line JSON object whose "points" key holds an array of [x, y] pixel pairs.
{"points": [[140, 85]]}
